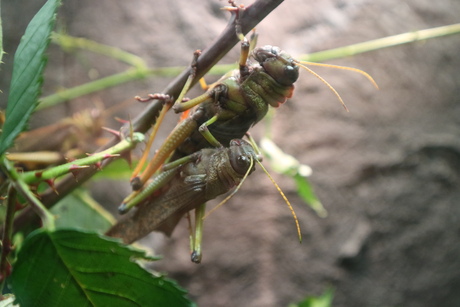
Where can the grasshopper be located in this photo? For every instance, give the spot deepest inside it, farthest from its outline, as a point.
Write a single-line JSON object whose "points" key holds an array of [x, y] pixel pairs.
{"points": [[187, 185]]}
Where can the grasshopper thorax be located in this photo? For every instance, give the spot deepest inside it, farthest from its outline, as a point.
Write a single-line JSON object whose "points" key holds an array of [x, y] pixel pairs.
{"points": [[277, 63]]}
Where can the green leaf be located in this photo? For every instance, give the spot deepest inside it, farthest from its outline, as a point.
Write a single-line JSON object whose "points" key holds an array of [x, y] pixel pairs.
{"points": [[116, 170], [80, 210], [28, 66], [324, 300], [305, 191], [71, 268]]}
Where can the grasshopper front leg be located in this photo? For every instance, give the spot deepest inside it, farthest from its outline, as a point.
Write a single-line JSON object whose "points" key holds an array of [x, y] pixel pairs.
{"points": [[196, 236]]}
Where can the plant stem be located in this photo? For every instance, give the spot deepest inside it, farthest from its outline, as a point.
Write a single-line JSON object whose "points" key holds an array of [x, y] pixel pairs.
{"points": [[54, 172], [68, 42], [21, 187], [36, 205], [381, 43], [142, 71], [104, 83], [7, 236]]}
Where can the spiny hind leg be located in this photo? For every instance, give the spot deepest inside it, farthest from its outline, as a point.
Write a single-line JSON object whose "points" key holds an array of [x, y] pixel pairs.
{"points": [[181, 132], [167, 103]]}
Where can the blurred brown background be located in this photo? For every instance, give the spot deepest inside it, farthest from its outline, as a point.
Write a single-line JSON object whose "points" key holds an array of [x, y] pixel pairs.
{"points": [[388, 172]]}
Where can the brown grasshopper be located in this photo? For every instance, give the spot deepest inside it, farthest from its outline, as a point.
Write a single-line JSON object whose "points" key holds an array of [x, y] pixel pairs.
{"points": [[186, 185]]}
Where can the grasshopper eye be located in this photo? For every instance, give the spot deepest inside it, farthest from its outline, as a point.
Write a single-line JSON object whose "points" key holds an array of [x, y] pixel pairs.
{"points": [[240, 163], [291, 74]]}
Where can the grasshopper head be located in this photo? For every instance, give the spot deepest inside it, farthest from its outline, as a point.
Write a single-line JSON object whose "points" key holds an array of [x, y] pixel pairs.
{"points": [[242, 156], [277, 63]]}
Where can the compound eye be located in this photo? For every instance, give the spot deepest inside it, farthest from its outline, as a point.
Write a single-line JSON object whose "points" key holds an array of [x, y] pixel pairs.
{"points": [[240, 164], [291, 74], [282, 69]]}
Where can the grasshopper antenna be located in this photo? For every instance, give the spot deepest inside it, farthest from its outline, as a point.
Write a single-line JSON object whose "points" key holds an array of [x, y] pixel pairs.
{"points": [[365, 74], [285, 199], [359, 71]]}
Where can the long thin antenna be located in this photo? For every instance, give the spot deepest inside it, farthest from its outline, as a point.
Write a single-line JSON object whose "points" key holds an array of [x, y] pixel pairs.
{"points": [[285, 199], [325, 82], [359, 71]]}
